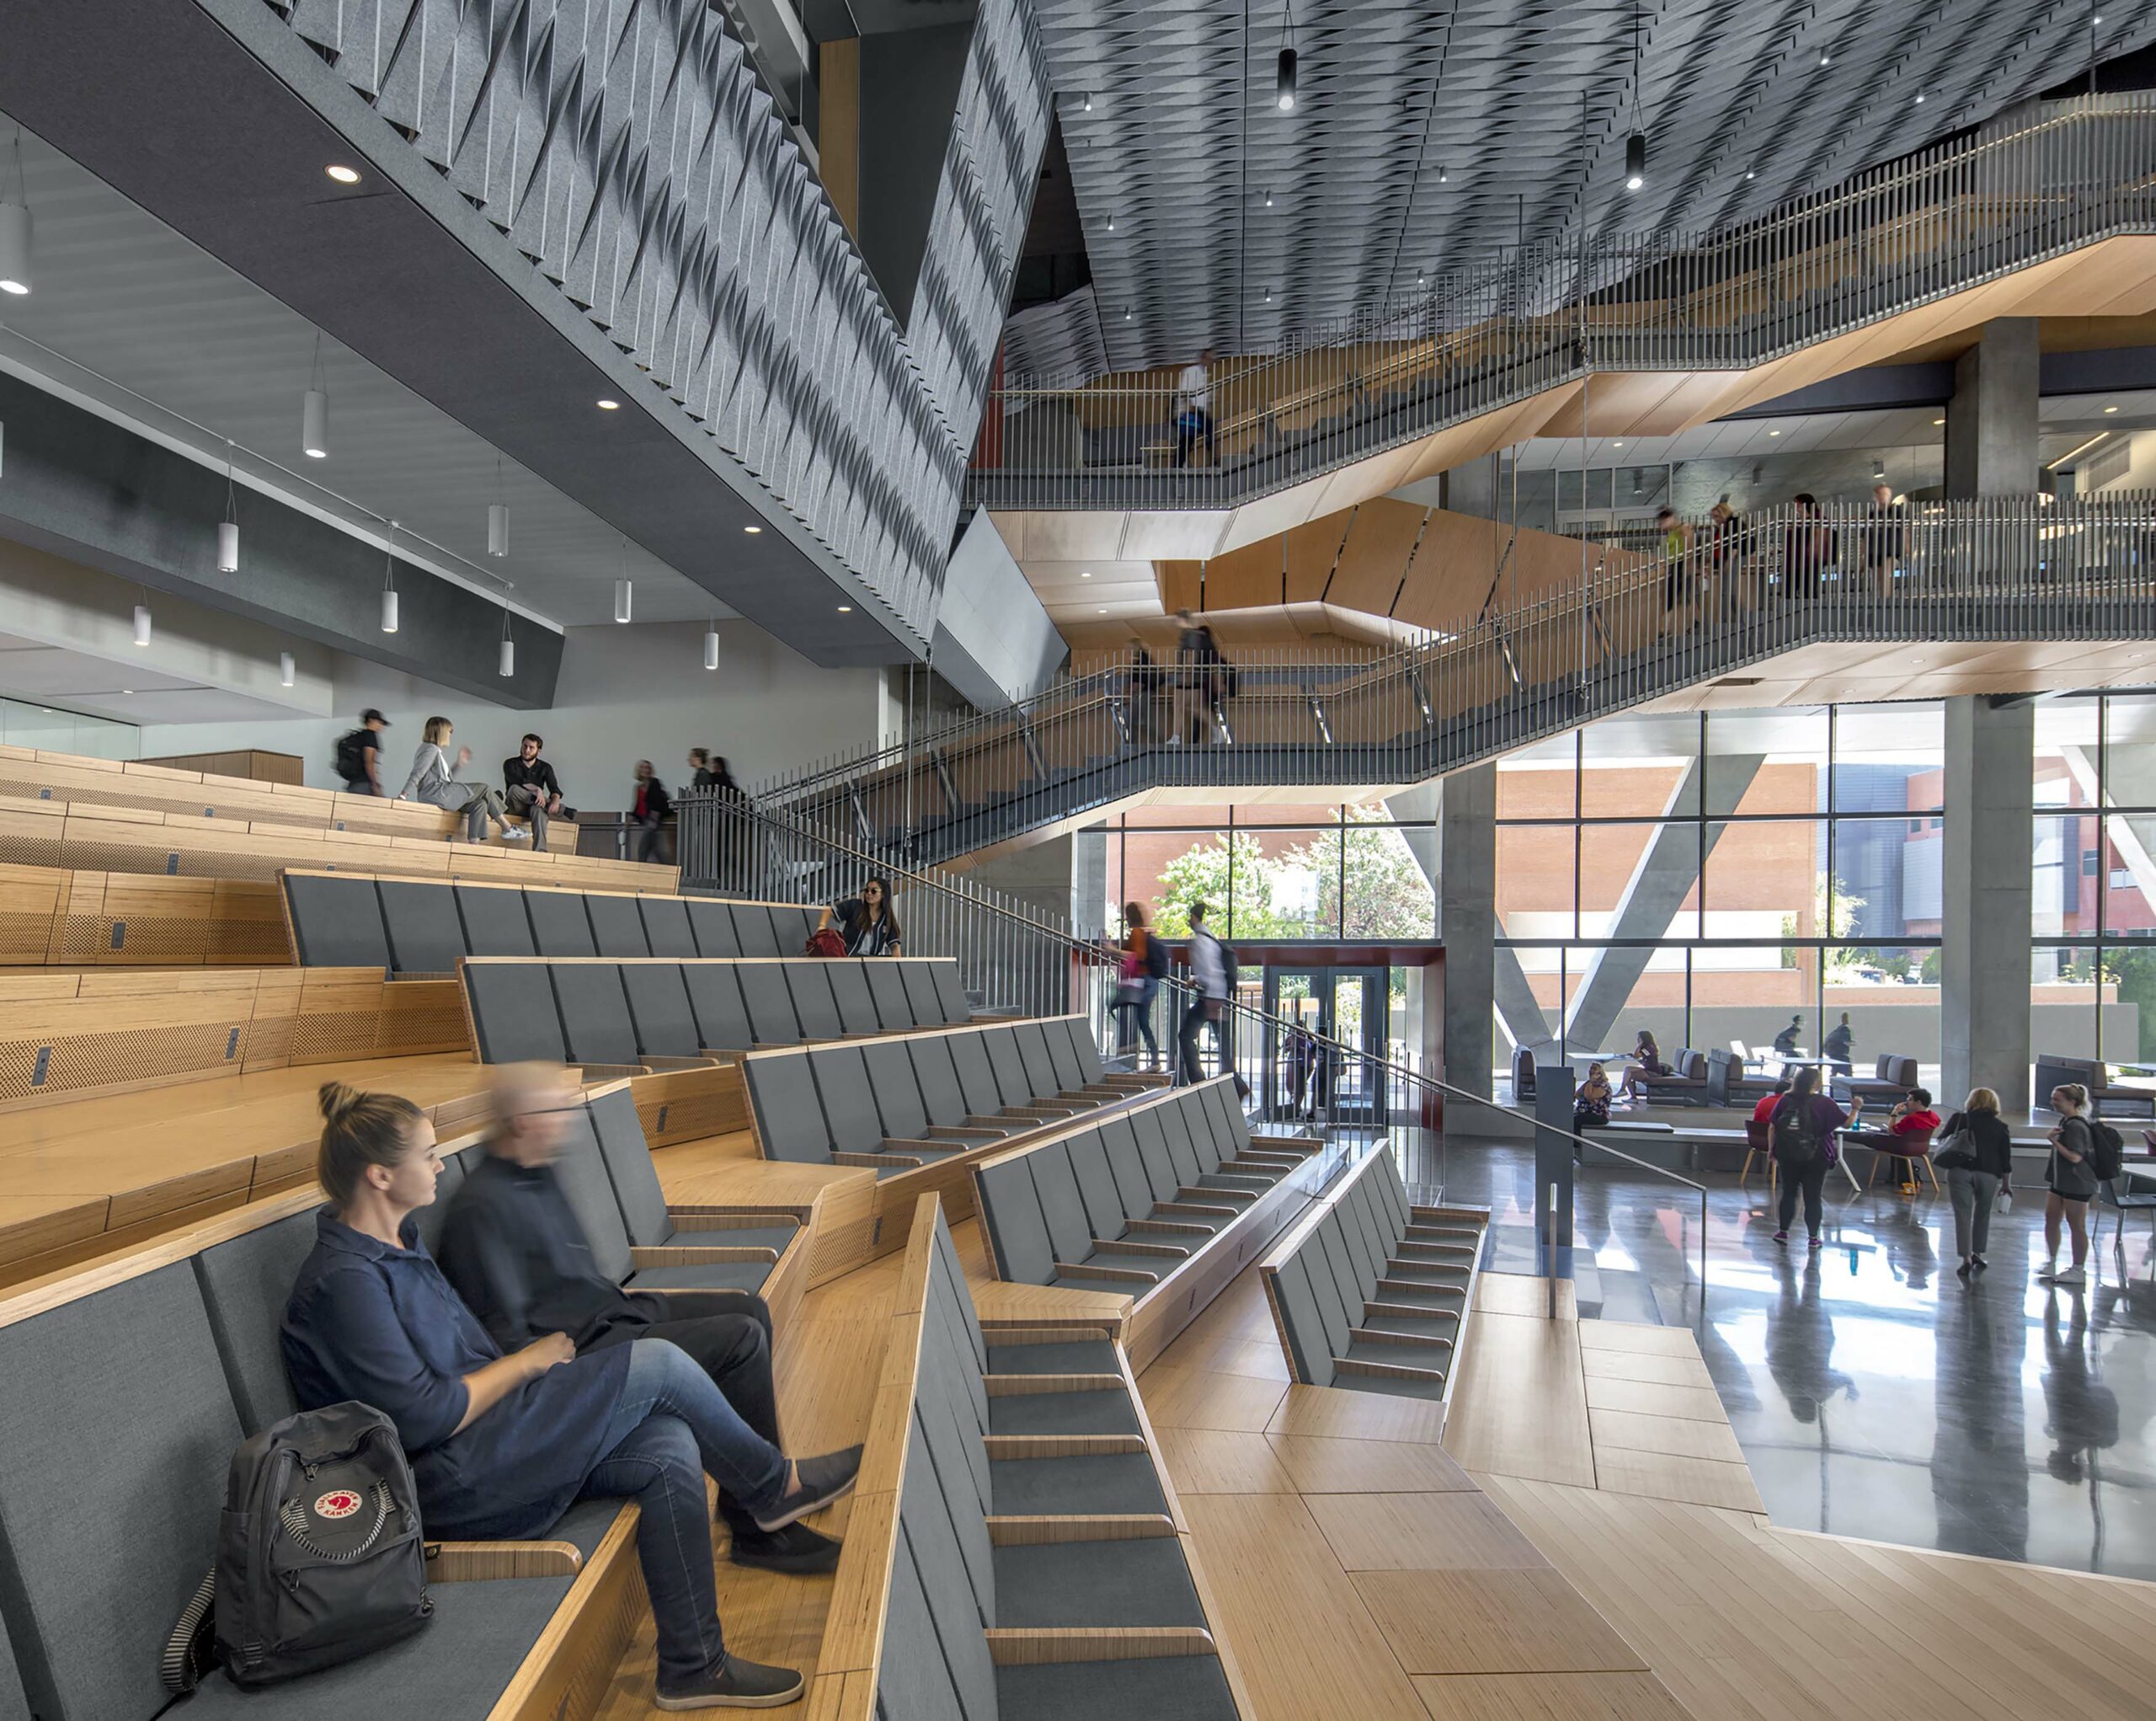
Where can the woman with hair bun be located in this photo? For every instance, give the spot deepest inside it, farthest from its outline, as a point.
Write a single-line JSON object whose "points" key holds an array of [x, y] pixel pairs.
{"points": [[501, 1445]]}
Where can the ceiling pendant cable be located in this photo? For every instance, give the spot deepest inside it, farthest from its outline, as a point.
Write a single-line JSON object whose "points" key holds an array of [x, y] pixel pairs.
{"points": [[1635, 145], [1284, 77]]}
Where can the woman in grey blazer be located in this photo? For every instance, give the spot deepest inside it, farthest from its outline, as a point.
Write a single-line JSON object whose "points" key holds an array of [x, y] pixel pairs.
{"points": [[434, 780]]}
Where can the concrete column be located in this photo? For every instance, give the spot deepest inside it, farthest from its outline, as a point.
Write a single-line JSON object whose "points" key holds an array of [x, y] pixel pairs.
{"points": [[1983, 1028], [1472, 489], [1991, 421], [1467, 921]]}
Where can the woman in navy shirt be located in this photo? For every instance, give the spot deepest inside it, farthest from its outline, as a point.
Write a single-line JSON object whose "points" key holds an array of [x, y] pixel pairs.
{"points": [[501, 1445]]}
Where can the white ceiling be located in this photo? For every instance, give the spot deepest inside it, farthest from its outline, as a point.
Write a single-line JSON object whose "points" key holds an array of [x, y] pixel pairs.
{"points": [[170, 330]]}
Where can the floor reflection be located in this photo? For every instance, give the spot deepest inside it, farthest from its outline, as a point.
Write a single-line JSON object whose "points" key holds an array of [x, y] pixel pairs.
{"points": [[1876, 1393]]}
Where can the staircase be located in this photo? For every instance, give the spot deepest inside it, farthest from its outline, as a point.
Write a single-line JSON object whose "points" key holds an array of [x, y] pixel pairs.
{"points": [[2007, 568], [1511, 342]]}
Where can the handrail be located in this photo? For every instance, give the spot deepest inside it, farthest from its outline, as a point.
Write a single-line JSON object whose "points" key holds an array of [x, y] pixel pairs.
{"points": [[1491, 334], [730, 846], [2032, 567]]}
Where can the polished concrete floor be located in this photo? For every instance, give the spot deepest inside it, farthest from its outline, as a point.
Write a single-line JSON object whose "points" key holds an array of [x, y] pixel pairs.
{"points": [[1877, 1394]]}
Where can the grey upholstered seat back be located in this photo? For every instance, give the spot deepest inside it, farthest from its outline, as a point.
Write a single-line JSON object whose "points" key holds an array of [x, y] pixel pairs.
{"points": [[1105, 1219], [715, 994], [976, 1075], [896, 1094], [336, 923], [770, 1004], [1302, 1317], [13, 1705], [1017, 1230], [919, 979], [595, 1024], [752, 926], [559, 925], [1002, 1044], [659, 1005], [940, 1096], [808, 981], [425, 935], [782, 1099], [1061, 1205], [1902, 1072], [950, 994], [495, 923], [849, 1104], [714, 925], [1033, 1057], [1155, 1160], [118, 1429], [849, 984], [790, 928], [1089, 1068], [580, 1169], [887, 990], [666, 925], [1070, 1073], [617, 927], [627, 1156], [1133, 1187], [245, 1284], [512, 1013]]}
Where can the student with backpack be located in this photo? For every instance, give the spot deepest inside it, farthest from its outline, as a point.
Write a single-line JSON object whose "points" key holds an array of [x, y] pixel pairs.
{"points": [[1213, 983], [1145, 964], [359, 755], [2085, 1152], [1803, 1124]]}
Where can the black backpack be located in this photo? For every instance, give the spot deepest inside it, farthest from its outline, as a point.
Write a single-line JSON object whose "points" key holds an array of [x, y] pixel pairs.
{"points": [[1156, 956], [319, 1558], [352, 755], [2104, 1148], [1796, 1136]]}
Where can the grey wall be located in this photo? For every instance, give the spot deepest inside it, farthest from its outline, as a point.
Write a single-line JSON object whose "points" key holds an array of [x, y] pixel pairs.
{"points": [[625, 693]]}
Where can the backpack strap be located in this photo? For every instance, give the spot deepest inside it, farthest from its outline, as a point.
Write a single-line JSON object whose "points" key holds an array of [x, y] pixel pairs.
{"points": [[190, 1651]]}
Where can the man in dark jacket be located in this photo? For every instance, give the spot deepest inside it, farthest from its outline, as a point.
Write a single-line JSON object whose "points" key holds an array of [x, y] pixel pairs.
{"points": [[512, 1248], [530, 790], [647, 813]]}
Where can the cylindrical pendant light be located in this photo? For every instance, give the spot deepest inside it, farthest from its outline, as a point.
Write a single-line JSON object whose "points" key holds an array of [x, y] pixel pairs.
{"points": [[228, 529], [15, 231], [314, 412], [711, 647], [620, 600], [286, 669], [1635, 161], [142, 624], [389, 583], [497, 528], [15, 249], [509, 649], [1283, 81]]}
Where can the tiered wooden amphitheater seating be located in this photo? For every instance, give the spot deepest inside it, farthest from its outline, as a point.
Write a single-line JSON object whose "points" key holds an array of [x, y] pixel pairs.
{"points": [[1165, 1201], [412, 926], [1370, 1293], [99, 815], [77, 780], [150, 1370], [1015, 1551], [134, 1099], [56, 915]]}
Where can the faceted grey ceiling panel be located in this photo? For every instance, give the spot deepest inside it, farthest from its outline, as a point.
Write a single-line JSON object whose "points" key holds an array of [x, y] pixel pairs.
{"points": [[1430, 133]]}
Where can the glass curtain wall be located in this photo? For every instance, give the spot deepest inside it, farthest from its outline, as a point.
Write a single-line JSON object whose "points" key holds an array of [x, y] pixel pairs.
{"points": [[2092, 856], [1724, 880]]}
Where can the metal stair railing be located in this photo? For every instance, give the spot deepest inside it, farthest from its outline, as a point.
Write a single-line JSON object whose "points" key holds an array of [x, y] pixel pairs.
{"points": [[1018, 959], [1493, 334], [1632, 629]]}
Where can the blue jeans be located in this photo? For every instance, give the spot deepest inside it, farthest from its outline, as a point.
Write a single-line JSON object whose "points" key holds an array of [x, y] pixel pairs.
{"points": [[1139, 1011], [670, 1426]]}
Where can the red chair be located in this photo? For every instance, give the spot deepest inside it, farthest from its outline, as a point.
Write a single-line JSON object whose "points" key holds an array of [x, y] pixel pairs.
{"points": [[1915, 1147], [1758, 1144]]}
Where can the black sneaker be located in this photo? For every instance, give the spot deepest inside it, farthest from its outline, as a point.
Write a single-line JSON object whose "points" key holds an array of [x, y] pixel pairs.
{"points": [[797, 1550], [818, 1483], [736, 1683]]}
